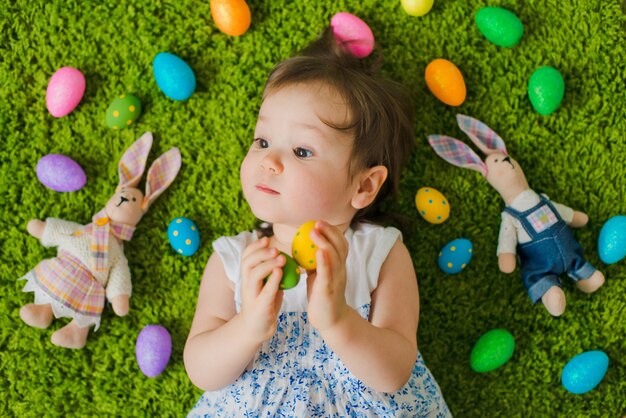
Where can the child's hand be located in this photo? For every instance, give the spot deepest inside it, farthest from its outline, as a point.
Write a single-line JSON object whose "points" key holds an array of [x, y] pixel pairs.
{"points": [[327, 285], [261, 302]]}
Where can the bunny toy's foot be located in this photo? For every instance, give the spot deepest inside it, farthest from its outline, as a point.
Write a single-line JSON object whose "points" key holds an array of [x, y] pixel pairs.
{"points": [[70, 336], [591, 284], [554, 301], [38, 316]]}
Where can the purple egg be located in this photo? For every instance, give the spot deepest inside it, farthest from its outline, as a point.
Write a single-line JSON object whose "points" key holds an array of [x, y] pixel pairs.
{"points": [[60, 173], [153, 349]]}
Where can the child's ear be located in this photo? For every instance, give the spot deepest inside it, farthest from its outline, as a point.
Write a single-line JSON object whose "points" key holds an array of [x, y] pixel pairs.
{"points": [[371, 180]]}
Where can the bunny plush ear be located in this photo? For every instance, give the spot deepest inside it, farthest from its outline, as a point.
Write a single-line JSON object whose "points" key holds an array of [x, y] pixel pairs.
{"points": [[457, 153], [161, 174], [483, 136], [133, 162]]}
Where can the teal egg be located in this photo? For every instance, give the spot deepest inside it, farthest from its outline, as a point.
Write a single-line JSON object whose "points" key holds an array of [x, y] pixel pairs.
{"points": [[584, 371], [291, 273], [492, 350], [546, 89], [612, 240], [184, 236], [500, 26], [174, 76], [455, 256]]}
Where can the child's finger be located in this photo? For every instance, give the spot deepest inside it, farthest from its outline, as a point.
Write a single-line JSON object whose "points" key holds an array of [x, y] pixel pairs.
{"points": [[255, 258], [320, 240], [323, 272], [270, 288], [334, 236], [256, 245]]}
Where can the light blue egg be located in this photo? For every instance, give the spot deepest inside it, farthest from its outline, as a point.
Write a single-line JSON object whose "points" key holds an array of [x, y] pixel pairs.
{"points": [[184, 236], [612, 240], [455, 256], [585, 371], [174, 76]]}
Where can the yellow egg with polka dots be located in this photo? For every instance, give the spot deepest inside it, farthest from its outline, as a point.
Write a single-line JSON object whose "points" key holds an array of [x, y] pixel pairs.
{"points": [[302, 248], [123, 112], [432, 205]]}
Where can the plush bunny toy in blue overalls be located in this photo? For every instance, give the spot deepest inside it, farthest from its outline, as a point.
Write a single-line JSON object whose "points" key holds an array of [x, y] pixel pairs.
{"points": [[531, 224]]}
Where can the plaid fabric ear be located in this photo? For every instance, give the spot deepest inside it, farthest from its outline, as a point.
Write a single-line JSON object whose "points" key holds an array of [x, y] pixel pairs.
{"points": [[457, 153], [133, 162], [483, 136], [161, 174]]}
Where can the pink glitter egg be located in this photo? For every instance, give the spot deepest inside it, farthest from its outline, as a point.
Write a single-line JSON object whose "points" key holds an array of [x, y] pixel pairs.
{"points": [[65, 90], [353, 33]]}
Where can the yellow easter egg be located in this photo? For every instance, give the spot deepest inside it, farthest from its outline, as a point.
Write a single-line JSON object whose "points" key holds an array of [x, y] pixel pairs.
{"points": [[432, 205], [302, 248], [417, 7]]}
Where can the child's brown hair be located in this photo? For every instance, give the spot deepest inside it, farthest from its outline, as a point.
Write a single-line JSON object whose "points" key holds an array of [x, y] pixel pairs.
{"points": [[381, 114]]}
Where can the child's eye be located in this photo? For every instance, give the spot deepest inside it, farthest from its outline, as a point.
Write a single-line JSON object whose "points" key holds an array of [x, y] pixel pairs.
{"points": [[261, 143], [302, 152]]}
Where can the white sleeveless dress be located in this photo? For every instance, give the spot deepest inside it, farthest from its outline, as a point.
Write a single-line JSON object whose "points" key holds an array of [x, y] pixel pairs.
{"points": [[295, 374]]}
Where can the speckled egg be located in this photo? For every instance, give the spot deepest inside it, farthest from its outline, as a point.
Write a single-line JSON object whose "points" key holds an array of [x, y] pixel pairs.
{"points": [[585, 371], [174, 76], [153, 350], [291, 273], [445, 82], [432, 205], [302, 247], [546, 89], [60, 173], [455, 256], [123, 111], [353, 33], [492, 350], [612, 240], [65, 90], [184, 236], [500, 26]]}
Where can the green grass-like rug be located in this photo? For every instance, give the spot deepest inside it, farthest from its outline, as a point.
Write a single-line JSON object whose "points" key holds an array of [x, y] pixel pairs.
{"points": [[576, 156]]}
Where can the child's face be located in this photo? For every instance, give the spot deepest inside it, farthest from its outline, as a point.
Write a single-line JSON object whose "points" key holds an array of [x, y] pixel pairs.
{"points": [[297, 167]]}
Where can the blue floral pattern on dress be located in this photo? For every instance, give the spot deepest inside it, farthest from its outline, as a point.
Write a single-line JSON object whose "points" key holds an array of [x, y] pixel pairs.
{"points": [[295, 374]]}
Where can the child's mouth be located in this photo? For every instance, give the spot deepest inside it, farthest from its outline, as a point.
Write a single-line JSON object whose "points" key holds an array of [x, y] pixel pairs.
{"points": [[266, 189]]}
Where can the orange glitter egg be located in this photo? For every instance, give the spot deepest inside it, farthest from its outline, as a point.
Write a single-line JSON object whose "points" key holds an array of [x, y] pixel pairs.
{"points": [[445, 82], [231, 16]]}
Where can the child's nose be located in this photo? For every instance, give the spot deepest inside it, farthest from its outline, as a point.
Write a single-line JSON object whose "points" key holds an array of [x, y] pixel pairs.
{"points": [[271, 162]]}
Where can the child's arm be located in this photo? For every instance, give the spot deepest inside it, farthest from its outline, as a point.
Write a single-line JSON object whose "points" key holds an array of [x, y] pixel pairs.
{"points": [[382, 352], [221, 341]]}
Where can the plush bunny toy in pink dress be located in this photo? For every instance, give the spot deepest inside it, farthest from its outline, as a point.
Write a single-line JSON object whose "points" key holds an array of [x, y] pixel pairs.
{"points": [[532, 227], [90, 264]]}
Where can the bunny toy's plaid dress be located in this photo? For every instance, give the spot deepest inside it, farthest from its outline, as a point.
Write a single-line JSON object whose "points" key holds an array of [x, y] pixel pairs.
{"points": [[68, 282], [295, 374]]}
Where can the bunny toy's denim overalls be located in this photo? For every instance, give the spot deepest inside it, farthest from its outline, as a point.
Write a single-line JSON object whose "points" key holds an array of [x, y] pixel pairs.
{"points": [[551, 251]]}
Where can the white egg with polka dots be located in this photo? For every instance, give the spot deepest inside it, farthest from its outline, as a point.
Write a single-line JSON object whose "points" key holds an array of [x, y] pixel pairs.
{"points": [[455, 256], [184, 236]]}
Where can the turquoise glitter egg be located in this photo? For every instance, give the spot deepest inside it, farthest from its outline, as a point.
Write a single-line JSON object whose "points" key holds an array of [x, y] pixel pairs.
{"points": [[455, 256], [612, 240], [174, 76], [585, 371], [184, 236]]}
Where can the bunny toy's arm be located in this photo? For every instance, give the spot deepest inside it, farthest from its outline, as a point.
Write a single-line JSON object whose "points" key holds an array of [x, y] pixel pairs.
{"points": [[119, 287], [507, 243], [50, 231]]}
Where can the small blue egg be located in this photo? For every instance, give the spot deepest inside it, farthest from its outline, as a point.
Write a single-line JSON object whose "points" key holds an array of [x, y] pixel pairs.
{"points": [[174, 76], [585, 371], [612, 240], [184, 236], [455, 256]]}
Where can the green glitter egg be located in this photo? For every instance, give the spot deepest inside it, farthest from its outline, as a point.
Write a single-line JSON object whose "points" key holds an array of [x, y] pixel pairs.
{"points": [[492, 350], [500, 26], [546, 89], [291, 273], [123, 112]]}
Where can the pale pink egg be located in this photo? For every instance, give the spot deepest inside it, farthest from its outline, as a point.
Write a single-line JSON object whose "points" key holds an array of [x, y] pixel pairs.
{"points": [[353, 33], [65, 90]]}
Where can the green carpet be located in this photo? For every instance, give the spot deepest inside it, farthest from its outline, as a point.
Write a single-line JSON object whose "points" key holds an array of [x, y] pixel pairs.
{"points": [[576, 156]]}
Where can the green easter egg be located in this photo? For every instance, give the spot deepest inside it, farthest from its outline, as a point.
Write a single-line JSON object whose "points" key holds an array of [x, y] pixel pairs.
{"points": [[492, 350], [123, 111], [546, 89], [499, 26], [291, 273]]}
